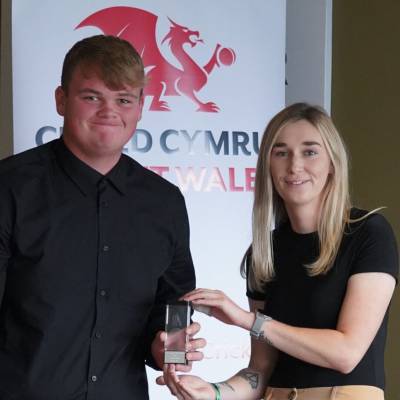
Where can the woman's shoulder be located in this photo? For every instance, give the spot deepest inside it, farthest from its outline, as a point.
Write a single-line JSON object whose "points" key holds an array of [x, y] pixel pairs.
{"points": [[372, 242], [369, 222]]}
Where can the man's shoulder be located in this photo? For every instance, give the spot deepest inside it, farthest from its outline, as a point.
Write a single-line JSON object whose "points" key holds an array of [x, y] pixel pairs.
{"points": [[150, 179], [27, 160]]}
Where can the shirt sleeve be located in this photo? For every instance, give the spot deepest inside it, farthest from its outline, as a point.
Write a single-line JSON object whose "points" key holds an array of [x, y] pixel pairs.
{"points": [[179, 277], [6, 213], [377, 251]]}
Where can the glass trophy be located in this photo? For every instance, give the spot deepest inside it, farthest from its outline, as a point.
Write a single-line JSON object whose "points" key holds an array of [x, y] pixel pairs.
{"points": [[177, 319]]}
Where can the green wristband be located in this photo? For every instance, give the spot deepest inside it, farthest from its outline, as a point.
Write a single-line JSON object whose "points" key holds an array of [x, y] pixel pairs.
{"points": [[217, 392]]}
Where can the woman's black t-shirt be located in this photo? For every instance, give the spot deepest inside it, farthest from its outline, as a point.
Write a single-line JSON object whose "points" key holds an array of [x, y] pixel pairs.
{"points": [[297, 299]]}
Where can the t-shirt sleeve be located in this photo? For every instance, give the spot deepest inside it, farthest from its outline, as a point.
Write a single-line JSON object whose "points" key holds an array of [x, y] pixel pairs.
{"points": [[377, 251], [251, 293]]}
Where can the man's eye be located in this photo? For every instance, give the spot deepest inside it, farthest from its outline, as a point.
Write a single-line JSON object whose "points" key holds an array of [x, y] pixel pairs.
{"points": [[124, 101], [91, 98]]}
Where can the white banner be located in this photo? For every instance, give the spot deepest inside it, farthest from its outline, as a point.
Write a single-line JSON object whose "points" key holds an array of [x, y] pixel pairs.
{"points": [[221, 68]]}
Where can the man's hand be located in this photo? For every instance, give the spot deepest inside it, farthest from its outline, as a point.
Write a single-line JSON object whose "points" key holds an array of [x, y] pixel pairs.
{"points": [[186, 387], [157, 348]]}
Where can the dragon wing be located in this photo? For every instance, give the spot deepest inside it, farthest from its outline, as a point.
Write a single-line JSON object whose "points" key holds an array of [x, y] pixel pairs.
{"points": [[132, 24]]}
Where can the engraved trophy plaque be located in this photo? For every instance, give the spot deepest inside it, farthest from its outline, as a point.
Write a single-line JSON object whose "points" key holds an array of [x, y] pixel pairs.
{"points": [[177, 319]]}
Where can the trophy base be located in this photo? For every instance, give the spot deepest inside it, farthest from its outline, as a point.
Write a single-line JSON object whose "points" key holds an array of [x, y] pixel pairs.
{"points": [[175, 357]]}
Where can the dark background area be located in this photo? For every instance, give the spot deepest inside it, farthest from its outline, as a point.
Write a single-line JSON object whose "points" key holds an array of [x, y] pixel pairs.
{"points": [[365, 108]]}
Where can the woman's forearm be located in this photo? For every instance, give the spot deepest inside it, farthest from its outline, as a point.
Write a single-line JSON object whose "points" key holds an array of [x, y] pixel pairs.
{"points": [[359, 320], [248, 384], [326, 348]]}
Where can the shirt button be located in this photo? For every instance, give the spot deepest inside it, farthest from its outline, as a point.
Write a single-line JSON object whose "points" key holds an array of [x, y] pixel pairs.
{"points": [[98, 335], [104, 204], [103, 293], [94, 378], [106, 248]]}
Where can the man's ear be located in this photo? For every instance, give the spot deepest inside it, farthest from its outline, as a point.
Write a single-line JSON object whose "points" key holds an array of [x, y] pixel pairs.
{"points": [[60, 97], [141, 103]]}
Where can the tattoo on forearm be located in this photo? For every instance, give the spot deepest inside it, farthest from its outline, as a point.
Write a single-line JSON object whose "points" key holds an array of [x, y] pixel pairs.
{"points": [[264, 337], [250, 376], [226, 384]]}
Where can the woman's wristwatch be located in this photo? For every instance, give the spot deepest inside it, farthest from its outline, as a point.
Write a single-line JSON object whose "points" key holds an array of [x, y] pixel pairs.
{"points": [[255, 330]]}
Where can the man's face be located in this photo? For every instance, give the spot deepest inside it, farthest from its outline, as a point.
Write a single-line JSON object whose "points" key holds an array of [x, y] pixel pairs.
{"points": [[98, 121]]}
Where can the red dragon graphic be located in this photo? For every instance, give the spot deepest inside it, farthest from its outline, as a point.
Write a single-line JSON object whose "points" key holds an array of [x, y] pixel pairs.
{"points": [[139, 28]]}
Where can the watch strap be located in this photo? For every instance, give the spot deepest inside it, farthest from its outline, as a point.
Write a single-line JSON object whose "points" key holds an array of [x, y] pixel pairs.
{"points": [[258, 323]]}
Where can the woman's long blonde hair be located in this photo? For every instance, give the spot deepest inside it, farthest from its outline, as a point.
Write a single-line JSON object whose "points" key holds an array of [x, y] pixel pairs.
{"points": [[269, 211]]}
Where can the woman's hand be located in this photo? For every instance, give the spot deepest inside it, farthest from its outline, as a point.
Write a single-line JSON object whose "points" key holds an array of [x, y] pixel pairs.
{"points": [[185, 387], [221, 307]]}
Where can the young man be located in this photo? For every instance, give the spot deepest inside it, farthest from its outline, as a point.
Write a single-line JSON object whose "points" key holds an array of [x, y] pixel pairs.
{"points": [[92, 245]]}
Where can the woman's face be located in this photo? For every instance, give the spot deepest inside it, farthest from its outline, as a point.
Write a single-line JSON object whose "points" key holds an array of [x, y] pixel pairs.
{"points": [[300, 166]]}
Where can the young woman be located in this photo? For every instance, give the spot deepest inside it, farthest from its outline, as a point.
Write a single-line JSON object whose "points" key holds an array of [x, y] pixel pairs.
{"points": [[320, 276]]}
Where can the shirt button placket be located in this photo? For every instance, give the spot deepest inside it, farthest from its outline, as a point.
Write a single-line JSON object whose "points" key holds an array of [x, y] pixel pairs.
{"points": [[104, 247]]}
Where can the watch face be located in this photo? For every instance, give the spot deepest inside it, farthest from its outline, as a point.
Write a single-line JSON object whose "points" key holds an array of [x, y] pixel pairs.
{"points": [[258, 323]]}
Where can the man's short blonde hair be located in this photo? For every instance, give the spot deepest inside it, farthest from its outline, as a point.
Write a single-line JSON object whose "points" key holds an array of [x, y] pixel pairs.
{"points": [[114, 60]]}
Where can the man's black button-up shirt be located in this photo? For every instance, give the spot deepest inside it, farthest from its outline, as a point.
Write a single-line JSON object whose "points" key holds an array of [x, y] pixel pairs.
{"points": [[87, 262]]}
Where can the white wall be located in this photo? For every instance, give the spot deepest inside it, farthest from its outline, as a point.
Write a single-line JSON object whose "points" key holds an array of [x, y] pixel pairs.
{"points": [[309, 51]]}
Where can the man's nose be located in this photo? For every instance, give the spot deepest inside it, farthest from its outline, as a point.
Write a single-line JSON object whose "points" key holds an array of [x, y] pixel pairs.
{"points": [[107, 109]]}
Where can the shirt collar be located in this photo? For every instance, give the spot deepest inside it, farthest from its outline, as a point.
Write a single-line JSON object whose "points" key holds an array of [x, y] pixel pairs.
{"points": [[118, 175], [84, 176]]}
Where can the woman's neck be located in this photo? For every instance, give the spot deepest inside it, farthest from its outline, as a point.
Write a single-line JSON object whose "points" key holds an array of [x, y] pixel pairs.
{"points": [[303, 219]]}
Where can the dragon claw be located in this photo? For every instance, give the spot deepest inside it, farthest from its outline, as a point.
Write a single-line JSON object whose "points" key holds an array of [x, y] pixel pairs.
{"points": [[208, 107], [159, 105]]}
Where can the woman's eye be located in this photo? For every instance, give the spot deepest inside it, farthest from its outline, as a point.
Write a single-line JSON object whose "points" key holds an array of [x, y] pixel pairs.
{"points": [[310, 153], [280, 153]]}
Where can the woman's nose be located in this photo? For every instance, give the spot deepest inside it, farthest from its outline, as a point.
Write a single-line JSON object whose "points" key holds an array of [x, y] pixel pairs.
{"points": [[296, 164]]}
